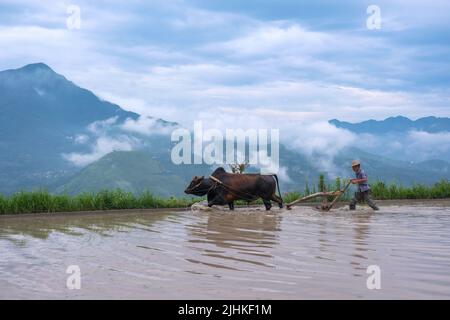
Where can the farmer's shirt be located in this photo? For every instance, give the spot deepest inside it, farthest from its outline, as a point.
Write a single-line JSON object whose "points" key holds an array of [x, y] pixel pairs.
{"points": [[362, 186]]}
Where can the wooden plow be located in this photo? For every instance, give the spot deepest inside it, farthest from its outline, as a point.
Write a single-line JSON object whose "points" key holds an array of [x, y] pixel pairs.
{"points": [[325, 206]]}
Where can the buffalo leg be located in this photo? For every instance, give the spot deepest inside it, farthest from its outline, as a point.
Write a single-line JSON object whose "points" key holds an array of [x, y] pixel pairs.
{"points": [[210, 199], [214, 201], [267, 204], [231, 205], [278, 200]]}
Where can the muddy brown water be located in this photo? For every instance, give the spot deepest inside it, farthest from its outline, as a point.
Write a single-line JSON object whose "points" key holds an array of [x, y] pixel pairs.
{"points": [[217, 254]]}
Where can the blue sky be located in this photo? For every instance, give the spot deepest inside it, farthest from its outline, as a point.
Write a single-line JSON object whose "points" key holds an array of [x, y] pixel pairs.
{"points": [[242, 62]]}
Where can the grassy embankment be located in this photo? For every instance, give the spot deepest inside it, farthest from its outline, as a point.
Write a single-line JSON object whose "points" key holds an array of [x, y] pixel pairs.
{"points": [[43, 201]]}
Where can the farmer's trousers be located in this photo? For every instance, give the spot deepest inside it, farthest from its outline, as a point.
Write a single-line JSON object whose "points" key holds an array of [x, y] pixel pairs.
{"points": [[363, 196]]}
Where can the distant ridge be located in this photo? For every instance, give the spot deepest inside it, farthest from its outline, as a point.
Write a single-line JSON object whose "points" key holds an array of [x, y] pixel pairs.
{"points": [[396, 124]]}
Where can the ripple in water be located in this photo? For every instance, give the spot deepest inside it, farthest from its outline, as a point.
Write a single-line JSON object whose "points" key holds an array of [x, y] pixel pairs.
{"points": [[249, 253]]}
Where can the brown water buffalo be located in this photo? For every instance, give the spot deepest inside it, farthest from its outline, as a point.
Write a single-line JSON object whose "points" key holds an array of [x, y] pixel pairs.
{"points": [[224, 188]]}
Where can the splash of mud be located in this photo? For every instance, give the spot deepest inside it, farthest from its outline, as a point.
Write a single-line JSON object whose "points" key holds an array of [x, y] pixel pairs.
{"points": [[202, 206]]}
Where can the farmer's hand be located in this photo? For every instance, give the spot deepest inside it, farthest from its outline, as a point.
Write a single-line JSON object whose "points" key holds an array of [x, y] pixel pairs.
{"points": [[353, 181]]}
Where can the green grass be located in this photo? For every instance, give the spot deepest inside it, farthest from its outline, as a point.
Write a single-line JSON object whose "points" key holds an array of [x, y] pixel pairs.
{"points": [[439, 190], [43, 201], [380, 191]]}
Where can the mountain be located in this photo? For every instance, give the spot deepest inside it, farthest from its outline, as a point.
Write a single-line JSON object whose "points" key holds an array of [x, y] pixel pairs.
{"points": [[41, 114], [438, 167], [39, 93], [400, 138], [132, 171], [396, 124]]}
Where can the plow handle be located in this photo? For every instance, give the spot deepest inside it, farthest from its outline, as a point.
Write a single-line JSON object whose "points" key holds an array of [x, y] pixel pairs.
{"points": [[339, 195]]}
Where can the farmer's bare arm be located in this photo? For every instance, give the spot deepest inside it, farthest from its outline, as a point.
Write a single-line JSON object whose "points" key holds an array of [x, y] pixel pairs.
{"points": [[355, 181]]}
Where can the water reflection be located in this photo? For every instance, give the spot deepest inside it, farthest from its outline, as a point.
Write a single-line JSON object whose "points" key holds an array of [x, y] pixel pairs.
{"points": [[41, 226], [245, 254], [237, 237], [361, 232], [324, 243]]}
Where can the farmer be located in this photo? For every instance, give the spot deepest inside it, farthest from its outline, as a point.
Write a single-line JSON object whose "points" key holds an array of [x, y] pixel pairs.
{"points": [[363, 192]]}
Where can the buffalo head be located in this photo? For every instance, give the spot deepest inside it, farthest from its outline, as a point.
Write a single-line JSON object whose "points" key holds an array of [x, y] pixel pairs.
{"points": [[199, 186]]}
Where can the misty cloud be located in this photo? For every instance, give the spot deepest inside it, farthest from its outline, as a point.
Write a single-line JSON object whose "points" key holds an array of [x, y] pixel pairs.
{"points": [[413, 145], [321, 142], [101, 126], [426, 146], [106, 137], [102, 146], [147, 126], [81, 139]]}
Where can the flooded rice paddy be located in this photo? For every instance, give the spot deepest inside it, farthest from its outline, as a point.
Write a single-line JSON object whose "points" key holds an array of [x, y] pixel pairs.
{"points": [[218, 254]]}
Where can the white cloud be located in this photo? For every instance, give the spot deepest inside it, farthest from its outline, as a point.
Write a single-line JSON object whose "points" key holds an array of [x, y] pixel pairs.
{"points": [[101, 126], [194, 18], [102, 146], [428, 145], [283, 175], [407, 146], [146, 126], [432, 139], [106, 137], [304, 133], [321, 142], [275, 40], [81, 139]]}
